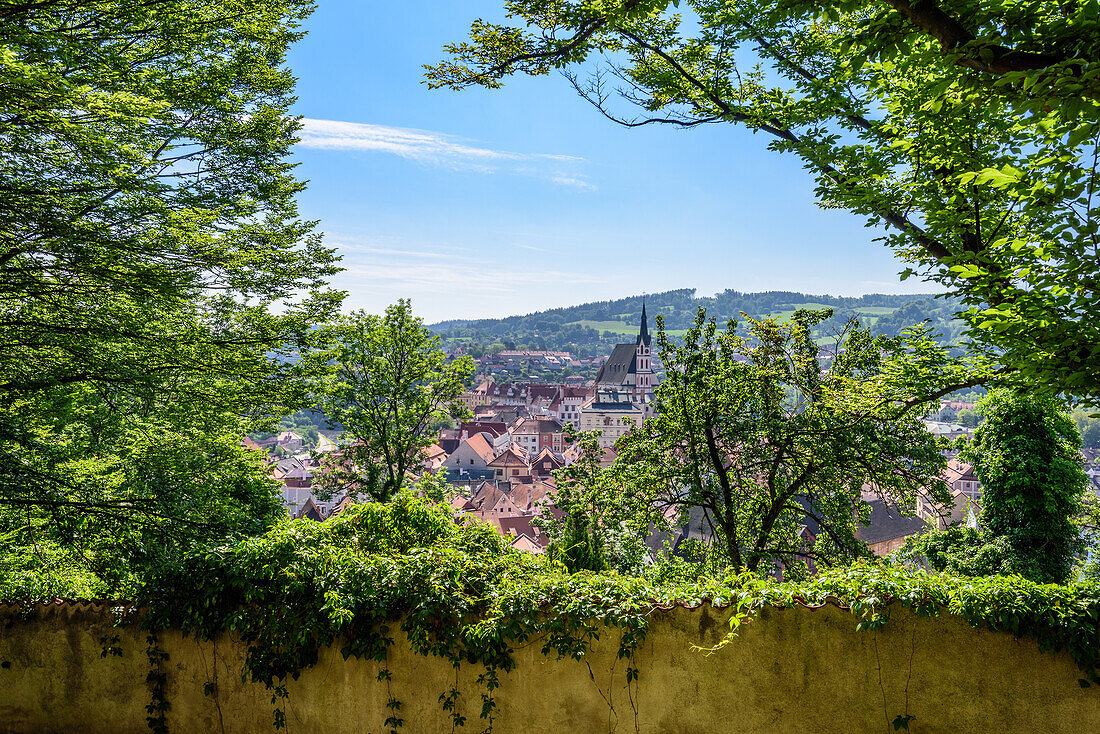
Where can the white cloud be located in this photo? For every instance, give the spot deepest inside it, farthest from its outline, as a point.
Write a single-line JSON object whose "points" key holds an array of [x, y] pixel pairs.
{"points": [[452, 282], [440, 149], [572, 181]]}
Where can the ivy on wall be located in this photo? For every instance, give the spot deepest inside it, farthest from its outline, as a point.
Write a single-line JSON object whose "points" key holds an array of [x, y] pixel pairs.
{"points": [[459, 592]]}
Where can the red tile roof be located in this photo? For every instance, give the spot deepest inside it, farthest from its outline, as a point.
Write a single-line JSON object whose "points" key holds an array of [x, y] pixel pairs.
{"points": [[481, 447], [511, 456]]}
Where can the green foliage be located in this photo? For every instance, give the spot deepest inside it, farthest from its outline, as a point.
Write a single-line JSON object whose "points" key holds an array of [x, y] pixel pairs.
{"points": [[1088, 424], [959, 550], [1090, 437], [969, 417], [155, 280], [751, 433], [35, 567], [387, 382], [604, 527], [968, 132], [1026, 454], [433, 486], [1089, 522], [581, 545], [157, 495]]}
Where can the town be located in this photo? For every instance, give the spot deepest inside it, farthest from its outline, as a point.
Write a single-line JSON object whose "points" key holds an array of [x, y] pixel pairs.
{"points": [[500, 463]]}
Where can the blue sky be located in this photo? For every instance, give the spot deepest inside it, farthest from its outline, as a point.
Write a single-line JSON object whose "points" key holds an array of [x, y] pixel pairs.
{"points": [[491, 203]]}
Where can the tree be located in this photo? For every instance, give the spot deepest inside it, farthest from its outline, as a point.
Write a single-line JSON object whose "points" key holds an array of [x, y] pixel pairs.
{"points": [[580, 547], [969, 131], [969, 417], [606, 518], [147, 215], [1090, 437], [1089, 522], [387, 383], [1088, 423], [752, 432], [156, 283], [1026, 454]]}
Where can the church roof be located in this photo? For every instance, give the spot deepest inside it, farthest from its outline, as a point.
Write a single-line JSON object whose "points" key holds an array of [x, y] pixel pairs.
{"points": [[643, 334], [618, 365]]}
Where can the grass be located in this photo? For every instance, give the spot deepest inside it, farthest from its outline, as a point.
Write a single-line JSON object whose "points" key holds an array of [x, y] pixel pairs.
{"points": [[615, 327], [618, 327], [815, 306]]}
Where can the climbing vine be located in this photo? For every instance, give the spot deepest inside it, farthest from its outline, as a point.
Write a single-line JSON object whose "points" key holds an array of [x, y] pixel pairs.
{"points": [[460, 593], [457, 592]]}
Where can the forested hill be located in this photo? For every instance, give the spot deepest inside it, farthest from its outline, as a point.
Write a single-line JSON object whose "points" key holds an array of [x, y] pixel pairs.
{"points": [[591, 328]]}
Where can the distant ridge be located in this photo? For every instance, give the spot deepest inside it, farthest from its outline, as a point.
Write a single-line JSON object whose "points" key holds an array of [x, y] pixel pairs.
{"points": [[588, 328]]}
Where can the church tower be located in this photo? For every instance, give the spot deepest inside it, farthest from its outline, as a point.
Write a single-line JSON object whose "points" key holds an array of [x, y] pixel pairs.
{"points": [[643, 385]]}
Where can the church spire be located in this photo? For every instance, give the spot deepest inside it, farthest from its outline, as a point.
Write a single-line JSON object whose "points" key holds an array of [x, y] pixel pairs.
{"points": [[643, 334]]}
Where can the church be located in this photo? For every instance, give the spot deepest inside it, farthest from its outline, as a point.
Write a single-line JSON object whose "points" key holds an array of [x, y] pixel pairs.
{"points": [[627, 375]]}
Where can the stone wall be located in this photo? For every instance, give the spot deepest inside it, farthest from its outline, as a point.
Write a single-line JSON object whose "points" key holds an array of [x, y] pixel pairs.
{"points": [[792, 670]]}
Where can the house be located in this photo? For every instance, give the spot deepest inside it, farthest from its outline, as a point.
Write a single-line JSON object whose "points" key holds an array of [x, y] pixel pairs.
{"points": [[510, 507], [531, 497], [485, 412], [299, 476], [461, 504], [528, 544], [290, 441], [888, 527], [960, 476], [287, 465], [947, 430], [612, 419], [266, 444], [536, 434], [248, 443], [496, 432], [523, 534], [512, 463], [340, 507], [966, 495], [573, 452], [434, 456], [566, 407], [310, 511], [449, 439], [472, 428], [508, 394], [547, 462], [471, 458], [490, 500], [509, 414]]}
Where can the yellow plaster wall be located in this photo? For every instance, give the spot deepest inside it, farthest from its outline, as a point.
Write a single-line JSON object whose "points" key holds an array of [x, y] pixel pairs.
{"points": [[793, 670]]}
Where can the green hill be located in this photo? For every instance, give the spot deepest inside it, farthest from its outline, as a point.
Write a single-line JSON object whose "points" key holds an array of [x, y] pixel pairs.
{"points": [[591, 328]]}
